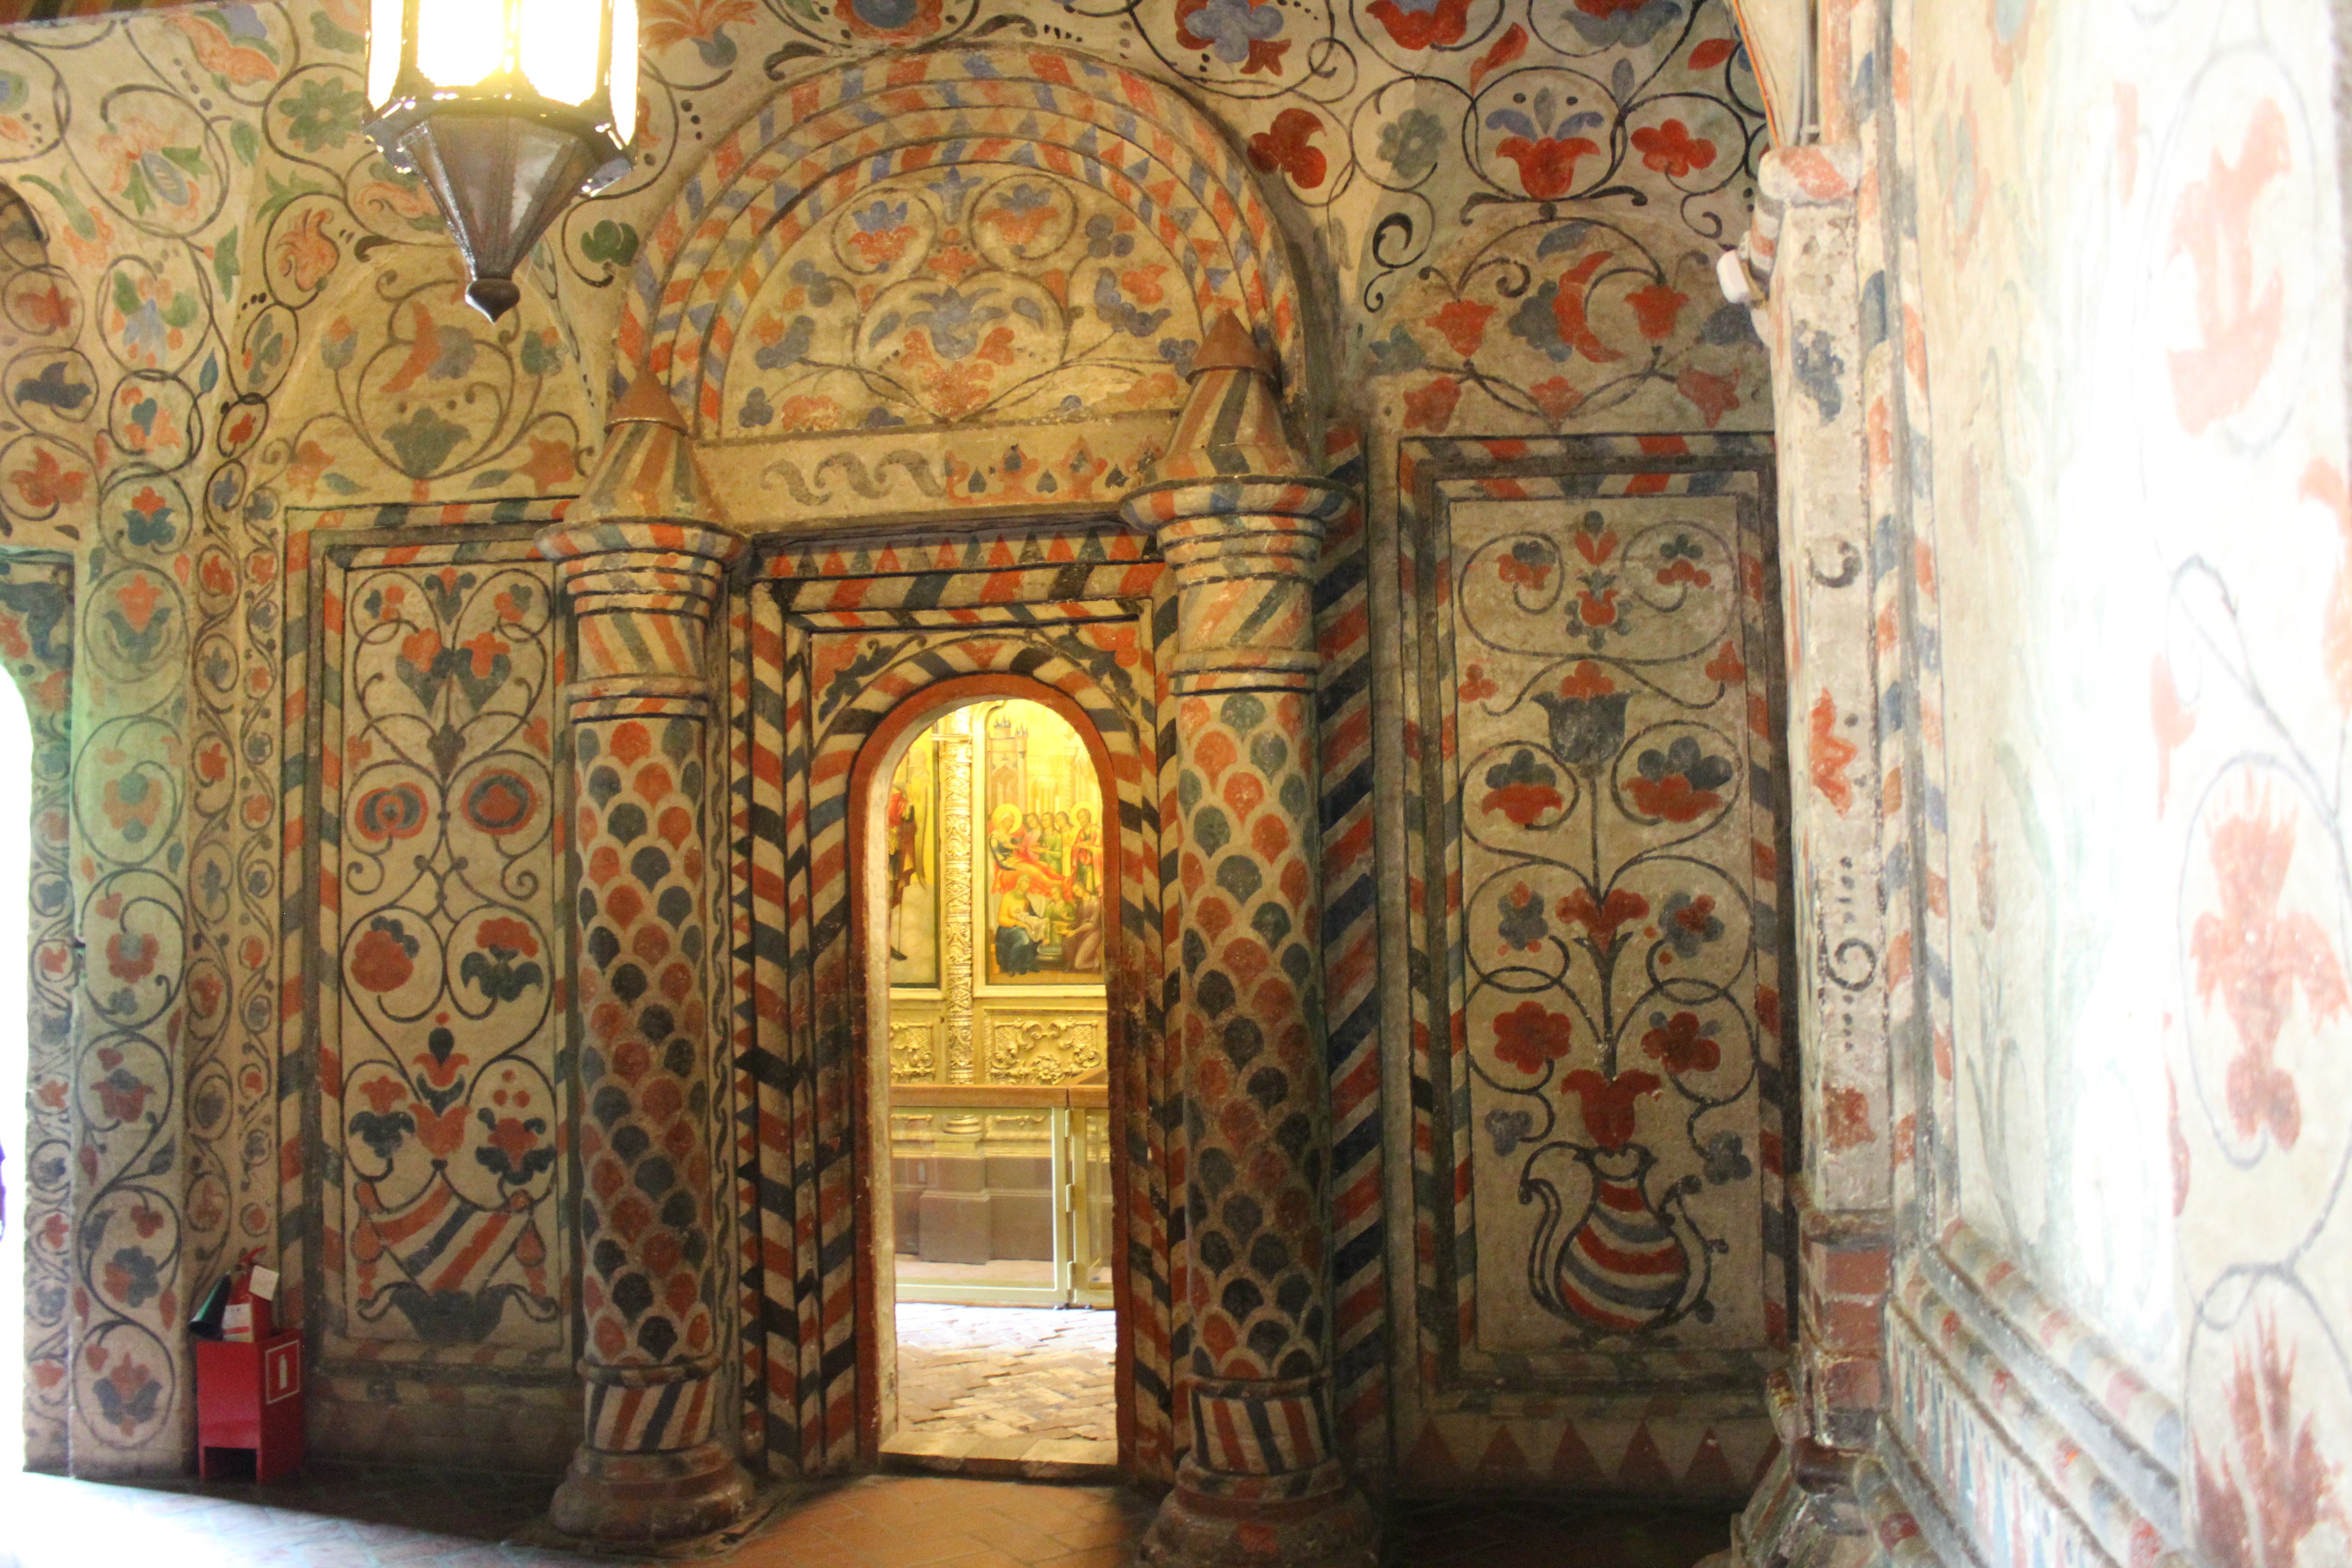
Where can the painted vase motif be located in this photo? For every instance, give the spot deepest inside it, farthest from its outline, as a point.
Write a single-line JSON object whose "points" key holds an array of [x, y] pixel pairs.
{"points": [[1624, 1267]]}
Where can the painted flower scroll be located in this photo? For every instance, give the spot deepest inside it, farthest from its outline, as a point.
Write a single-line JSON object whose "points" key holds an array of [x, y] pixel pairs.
{"points": [[450, 1123], [1612, 1024], [965, 293]]}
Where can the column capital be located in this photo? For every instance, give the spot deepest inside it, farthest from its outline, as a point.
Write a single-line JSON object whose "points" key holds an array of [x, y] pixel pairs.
{"points": [[644, 552], [1239, 518], [1231, 472]]}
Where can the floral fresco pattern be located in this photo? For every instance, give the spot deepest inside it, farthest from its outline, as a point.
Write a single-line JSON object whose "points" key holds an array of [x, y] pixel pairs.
{"points": [[2139, 1103], [1595, 651], [36, 645], [446, 1115]]}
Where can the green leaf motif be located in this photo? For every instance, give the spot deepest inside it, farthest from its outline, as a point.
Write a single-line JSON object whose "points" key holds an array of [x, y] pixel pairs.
{"points": [[341, 485], [245, 142], [332, 38], [324, 113], [610, 241], [422, 442], [540, 354], [225, 265]]}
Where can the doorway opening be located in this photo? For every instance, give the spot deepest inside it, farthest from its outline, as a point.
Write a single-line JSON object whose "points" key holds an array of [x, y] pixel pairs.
{"points": [[992, 910]]}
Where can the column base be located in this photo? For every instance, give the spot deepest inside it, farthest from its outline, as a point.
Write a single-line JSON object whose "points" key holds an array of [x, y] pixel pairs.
{"points": [[672, 1494], [1334, 1527]]}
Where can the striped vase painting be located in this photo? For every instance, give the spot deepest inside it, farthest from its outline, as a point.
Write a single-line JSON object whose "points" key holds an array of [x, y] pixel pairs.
{"points": [[1624, 1267]]}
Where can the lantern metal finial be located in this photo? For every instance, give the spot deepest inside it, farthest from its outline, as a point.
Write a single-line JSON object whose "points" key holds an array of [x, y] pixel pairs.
{"points": [[508, 117]]}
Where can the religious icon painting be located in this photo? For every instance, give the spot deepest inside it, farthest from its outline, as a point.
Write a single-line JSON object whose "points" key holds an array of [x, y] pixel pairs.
{"points": [[911, 840], [1041, 909]]}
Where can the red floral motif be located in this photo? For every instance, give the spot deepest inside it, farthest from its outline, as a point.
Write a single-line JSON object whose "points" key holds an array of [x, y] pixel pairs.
{"points": [[1288, 145], [1587, 679], [506, 931], [1609, 1103], [1846, 1117], [1681, 1041], [1727, 666], [1463, 324], [2285, 1487], [382, 959], [1597, 609], [1522, 788], [1592, 541], [46, 484], [1431, 408], [1656, 308], [510, 1138], [129, 957], [2257, 956], [1532, 1036], [1423, 26], [1622, 907], [1546, 164], [1711, 53], [1713, 395], [2241, 307], [1828, 755], [1475, 686], [1524, 571], [1556, 396], [1671, 149]]}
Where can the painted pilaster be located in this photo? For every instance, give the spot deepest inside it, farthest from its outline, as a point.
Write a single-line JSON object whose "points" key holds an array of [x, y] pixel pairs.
{"points": [[1240, 526], [1850, 954], [643, 557]]}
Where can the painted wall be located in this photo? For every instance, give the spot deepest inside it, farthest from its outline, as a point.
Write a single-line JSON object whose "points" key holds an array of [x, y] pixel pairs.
{"points": [[1504, 215], [2129, 311]]}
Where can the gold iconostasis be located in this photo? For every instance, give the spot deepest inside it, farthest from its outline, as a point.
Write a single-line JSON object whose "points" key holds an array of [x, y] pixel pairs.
{"points": [[994, 854]]}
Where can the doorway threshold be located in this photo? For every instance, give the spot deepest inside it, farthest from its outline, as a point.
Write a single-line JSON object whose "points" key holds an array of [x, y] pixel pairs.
{"points": [[1016, 1458]]}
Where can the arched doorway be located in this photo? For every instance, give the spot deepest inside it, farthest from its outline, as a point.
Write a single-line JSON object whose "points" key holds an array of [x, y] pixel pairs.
{"points": [[984, 1156]]}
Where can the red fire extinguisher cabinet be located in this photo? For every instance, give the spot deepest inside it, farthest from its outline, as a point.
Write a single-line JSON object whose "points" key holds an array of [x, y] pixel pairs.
{"points": [[249, 1396]]}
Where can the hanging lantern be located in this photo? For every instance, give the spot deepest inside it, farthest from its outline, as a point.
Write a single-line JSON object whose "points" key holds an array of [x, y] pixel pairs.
{"points": [[507, 109]]}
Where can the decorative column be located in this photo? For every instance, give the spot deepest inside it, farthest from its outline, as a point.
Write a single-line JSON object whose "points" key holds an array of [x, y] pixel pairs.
{"points": [[643, 556], [1239, 522]]}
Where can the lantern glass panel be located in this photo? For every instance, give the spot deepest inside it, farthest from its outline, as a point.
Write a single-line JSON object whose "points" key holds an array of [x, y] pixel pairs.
{"points": [[559, 47], [384, 21], [457, 45], [623, 74]]}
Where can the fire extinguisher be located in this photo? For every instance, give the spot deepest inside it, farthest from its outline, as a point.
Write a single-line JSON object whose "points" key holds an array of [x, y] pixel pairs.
{"points": [[238, 1306]]}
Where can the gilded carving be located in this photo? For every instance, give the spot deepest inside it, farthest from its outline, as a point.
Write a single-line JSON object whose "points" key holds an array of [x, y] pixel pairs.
{"points": [[955, 876], [913, 1056], [1044, 1051]]}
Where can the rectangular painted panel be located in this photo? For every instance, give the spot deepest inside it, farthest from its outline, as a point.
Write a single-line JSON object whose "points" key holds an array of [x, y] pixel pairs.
{"points": [[440, 943]]}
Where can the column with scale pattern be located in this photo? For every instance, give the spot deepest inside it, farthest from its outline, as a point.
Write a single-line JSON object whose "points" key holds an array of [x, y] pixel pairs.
{"points": [[643, 554], [1239, 521]]}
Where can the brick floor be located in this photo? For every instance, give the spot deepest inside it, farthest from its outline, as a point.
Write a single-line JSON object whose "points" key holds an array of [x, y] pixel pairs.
{"points": [[1007, 1372]]}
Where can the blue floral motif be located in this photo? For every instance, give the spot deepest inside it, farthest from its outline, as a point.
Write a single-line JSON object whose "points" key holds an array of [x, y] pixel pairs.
{"points": [[1611, 22], [1537, 324], [955, 318], [1523, 924], [879, 217], [1231, 26]]}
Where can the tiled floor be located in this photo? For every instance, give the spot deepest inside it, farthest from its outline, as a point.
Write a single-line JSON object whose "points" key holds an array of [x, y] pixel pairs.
{"points": [[351, 1517], [1007, 1372]]}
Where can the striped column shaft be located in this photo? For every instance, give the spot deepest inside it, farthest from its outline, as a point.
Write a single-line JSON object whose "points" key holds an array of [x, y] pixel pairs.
{"points": [[642, 563], [1240, 527]]}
